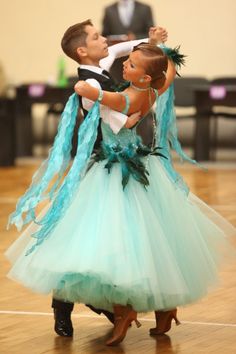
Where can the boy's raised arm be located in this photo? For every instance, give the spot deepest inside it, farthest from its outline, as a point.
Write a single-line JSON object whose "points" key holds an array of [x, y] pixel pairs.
{"points": [[156, 35]]}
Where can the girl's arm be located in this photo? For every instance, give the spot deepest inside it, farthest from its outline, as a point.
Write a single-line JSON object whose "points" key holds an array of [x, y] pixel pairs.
{"points": [[117, 101], [170, 75], [114, 118], [113, 100], [119, 50]]}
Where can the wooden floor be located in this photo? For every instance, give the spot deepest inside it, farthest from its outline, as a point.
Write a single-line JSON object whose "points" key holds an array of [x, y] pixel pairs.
{"points": [[26, 322]]}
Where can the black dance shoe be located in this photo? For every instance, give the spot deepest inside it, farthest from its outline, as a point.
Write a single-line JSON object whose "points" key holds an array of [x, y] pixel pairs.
{"points": [[63, 325]]}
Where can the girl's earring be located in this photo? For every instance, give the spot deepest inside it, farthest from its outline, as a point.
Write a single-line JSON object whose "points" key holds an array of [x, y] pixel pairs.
{"points": [[141, 80]]}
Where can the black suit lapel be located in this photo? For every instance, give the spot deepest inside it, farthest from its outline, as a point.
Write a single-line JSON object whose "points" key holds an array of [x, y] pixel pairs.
{"points": [[105, 82]]}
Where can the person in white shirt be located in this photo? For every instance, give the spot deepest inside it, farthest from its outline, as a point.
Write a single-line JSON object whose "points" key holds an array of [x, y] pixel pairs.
{"points": [[125, 20], [128, 18]]}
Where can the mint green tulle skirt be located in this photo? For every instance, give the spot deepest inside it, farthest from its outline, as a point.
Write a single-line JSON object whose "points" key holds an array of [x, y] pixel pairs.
{"points": [[152, 249]]}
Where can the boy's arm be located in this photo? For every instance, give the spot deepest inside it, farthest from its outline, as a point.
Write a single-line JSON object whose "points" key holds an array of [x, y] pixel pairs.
{"points": [[156, 35], [119, 50]]}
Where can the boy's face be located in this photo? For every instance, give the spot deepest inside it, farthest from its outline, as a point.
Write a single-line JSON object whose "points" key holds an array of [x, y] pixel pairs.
{"points": [[96, 45]]}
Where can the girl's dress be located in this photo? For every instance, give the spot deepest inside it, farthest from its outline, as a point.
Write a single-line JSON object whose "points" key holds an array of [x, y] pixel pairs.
{"points": [[129, 236]]}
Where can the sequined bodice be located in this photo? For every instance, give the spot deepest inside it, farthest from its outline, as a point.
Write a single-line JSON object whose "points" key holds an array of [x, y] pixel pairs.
{"points": [[123, 138]]}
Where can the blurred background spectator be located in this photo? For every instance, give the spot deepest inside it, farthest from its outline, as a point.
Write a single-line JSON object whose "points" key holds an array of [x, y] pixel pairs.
{"points": [[125, 20]]}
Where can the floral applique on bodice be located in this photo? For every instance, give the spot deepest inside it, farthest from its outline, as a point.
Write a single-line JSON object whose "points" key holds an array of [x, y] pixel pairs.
{"points": [[127, 148]]}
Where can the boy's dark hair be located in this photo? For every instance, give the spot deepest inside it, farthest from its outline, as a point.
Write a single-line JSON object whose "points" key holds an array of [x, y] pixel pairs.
{"points": [[74, 37]]}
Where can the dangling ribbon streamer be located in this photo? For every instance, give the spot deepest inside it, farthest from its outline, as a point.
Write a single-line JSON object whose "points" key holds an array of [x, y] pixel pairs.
{"points": [[167, 133], [87, 135], [167, 136], [56, 164]]}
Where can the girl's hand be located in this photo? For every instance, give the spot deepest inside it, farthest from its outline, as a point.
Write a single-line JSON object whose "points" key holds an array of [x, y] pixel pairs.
{"points": [[157, 35], [82, 88], [132, 120]]}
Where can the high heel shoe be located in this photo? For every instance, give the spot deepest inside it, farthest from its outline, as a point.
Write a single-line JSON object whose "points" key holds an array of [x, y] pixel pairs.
{"points": [[123, 315], [163, 322]]}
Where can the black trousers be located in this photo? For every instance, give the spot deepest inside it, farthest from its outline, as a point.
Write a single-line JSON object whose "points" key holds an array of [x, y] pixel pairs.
{"points": [[66, 308], [62, 305]]}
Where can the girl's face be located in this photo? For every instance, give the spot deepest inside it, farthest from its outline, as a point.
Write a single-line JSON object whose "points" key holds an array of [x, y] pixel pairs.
{"points": [[133, 69]]}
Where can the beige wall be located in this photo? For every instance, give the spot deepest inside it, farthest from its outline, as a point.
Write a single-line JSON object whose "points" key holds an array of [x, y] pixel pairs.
{"points": [[30, 33]]}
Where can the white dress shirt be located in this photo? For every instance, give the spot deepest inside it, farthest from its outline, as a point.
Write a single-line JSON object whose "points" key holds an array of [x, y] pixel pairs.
{"points": [[126, 10], [119, 50]]}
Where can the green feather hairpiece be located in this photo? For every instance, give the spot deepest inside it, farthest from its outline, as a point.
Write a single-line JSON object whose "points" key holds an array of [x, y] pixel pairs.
{"points": [[175, 55]]}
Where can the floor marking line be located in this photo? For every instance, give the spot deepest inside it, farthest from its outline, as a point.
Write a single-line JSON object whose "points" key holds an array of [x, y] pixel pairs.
{"points": [[30, 313]]}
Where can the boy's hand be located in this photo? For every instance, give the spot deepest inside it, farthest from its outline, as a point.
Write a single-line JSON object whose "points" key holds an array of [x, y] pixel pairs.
{"points": [[132, 120], [157, 35]]}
